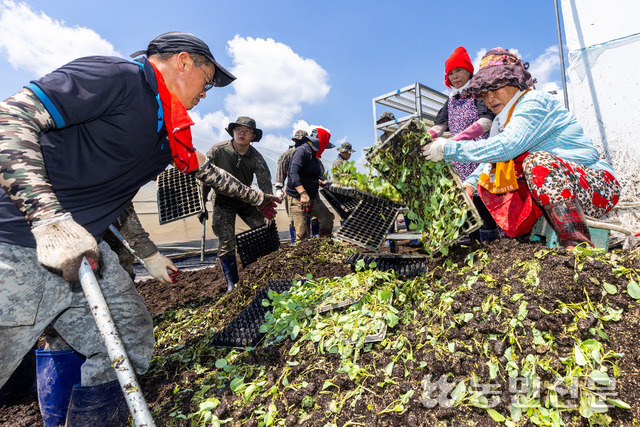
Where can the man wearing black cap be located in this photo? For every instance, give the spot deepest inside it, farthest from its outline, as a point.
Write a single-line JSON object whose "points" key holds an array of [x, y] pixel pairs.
{"points": [[75, 147], [243, 161]]}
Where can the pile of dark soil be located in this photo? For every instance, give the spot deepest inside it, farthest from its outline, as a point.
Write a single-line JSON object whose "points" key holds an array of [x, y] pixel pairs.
{"points": [[475, 315]]}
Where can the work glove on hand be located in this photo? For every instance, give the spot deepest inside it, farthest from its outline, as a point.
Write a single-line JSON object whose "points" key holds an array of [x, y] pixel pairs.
{"points": [[61, 243], [279, 193], [268, 206], [305, 202], [161, 267], [203, 216], [435, 150], [433, 133], [322, 183]]}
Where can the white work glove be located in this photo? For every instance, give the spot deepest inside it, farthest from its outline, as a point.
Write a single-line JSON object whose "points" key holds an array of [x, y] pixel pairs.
{"points": [[279, 193], [61, 243], [435, 150], [161, 267]]}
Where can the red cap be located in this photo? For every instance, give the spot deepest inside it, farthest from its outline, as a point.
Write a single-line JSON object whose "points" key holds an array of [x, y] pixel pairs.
{"points": [[458, 59]]}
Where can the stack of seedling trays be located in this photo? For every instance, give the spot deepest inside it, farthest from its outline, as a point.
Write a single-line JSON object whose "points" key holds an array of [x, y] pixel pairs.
{"points": [[404, 265], [179, 195], [433, 192], [371, 220], [257, 242], [344, 205], [244, 330]]}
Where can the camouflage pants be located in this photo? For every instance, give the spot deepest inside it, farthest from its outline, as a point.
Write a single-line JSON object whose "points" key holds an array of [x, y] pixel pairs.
{"points": [[318, 210], [32, 297], [224, 225]]}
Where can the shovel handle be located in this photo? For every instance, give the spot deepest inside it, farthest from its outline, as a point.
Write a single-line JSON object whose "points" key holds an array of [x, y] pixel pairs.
{"points": [[115, 348]]}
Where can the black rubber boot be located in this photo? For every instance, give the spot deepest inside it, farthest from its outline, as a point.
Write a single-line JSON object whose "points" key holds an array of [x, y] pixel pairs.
{"points": [[568, 220], [230, 270], [98, 405]]}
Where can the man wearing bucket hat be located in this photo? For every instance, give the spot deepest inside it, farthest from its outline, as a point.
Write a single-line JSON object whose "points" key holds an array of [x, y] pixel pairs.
{"points": [[344, 153], [238, 157], [303, 183], [69, 166], [537, 156]]}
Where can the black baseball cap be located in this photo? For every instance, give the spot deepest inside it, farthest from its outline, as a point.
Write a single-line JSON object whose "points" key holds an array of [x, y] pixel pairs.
{"points": [[177, 41]]}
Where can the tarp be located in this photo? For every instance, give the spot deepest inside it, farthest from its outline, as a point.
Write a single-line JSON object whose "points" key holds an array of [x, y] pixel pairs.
{"points": [[603, 42]]}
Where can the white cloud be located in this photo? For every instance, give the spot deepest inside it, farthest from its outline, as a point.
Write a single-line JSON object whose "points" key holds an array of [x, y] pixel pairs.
{"points": [[39, 44], [209, 129], [543, 67], [273, 81]]}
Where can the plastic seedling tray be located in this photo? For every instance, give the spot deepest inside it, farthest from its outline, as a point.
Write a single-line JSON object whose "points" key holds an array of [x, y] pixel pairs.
{"points": [[257, 242], [369, 224], [179, 195], [342, 204], [244, 329], [403, 265]]}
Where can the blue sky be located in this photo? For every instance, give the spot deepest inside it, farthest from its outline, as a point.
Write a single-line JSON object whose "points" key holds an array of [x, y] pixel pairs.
{"points": [[298, 63]]}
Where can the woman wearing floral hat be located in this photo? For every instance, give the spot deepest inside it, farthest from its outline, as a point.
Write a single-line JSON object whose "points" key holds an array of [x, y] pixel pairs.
{"points": [[537, 156]]}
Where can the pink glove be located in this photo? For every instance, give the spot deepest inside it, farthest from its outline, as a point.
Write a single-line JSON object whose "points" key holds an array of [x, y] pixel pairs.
{"points": [[472, 132], [433, 133]]}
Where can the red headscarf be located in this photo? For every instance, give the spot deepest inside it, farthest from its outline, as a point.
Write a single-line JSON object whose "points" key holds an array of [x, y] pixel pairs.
{"points": [[323, 138]]}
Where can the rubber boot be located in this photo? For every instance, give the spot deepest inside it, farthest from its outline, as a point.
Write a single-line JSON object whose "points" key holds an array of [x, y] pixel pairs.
{"points": [[315, 227], [56, 372], [230, 270], [292, 234], [98, 405], [568, 220], [488, 235]]}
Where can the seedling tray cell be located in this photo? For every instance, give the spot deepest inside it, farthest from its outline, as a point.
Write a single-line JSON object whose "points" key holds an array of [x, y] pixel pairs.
{"points": [[403, 265], [369, 223], [244, 329], [257, 242], [179, 195]]}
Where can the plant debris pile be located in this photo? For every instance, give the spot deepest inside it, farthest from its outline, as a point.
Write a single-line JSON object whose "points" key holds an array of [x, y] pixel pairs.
{"points": [[511, 333], [431, 190]]}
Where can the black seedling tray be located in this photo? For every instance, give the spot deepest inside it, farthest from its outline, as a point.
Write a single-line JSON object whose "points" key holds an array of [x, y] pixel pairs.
{"points": [[369, 223], [403, 265], [341, 203], [244, 330], [257, 242], [179, 195]]}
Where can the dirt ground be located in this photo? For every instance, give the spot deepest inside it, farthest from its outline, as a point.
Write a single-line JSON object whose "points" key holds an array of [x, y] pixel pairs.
{"points": [[555, 288]]}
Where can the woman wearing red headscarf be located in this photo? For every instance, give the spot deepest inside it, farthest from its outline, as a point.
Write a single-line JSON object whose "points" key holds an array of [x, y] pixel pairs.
{"points": [[303, 184]]}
